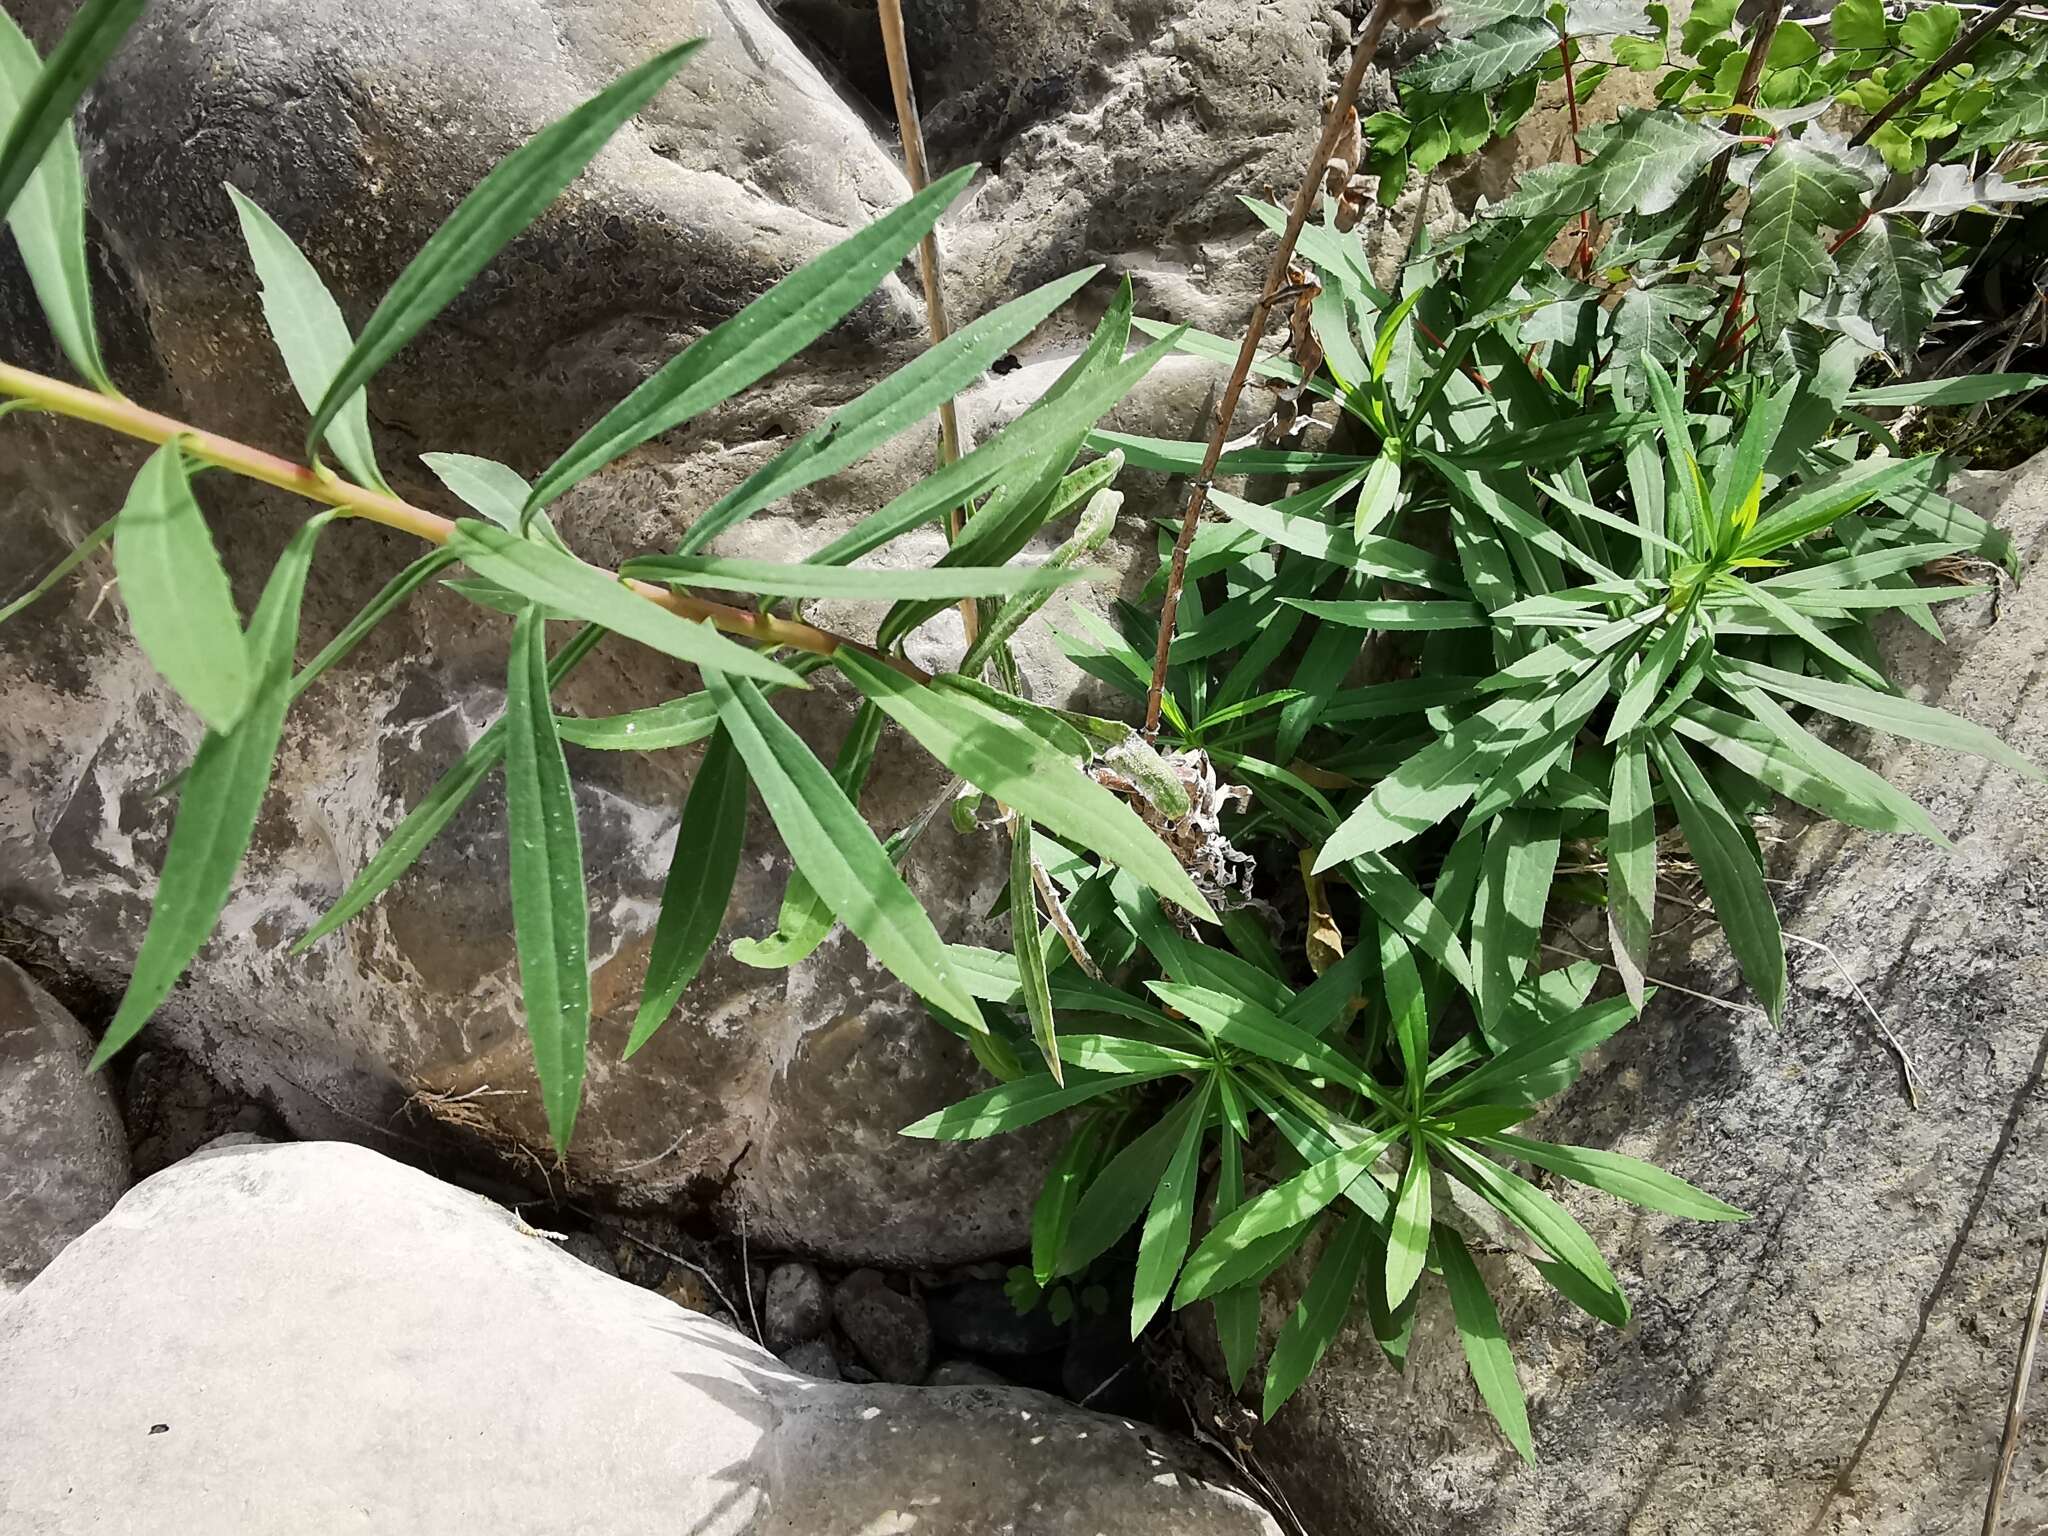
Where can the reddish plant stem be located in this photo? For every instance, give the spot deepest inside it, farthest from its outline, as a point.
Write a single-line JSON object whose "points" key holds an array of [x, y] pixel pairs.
{"points": [[1584, 255], [1850, 233], [1276, 279], [1430, 336]]}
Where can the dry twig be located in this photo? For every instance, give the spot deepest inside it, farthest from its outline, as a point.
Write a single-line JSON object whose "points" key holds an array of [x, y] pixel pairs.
{"points": [[1276, 280]]}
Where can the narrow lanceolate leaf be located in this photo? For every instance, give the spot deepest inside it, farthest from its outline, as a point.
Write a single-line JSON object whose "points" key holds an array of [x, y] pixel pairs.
{"points": [[1024, 440], [1309, 534], [1800, 192], [1237, 1020], [699, 885], [1514, 888], [550, 910], [1169, 1221], [899, 401], [565, 584], [61, 569], [1378, 497], [1013, 1105], [677, 723], [1437, 780], [1483, 60], [757, 340], [217, 810], [373, 613], [48, 219], [1408, 1007], [1972, 389], [1237, 1308], [776, 579], [179, 602], [803, 920], [1549, 1223], [1006, 759], [1485, 1344], [1777, 743], [1279, 1209], [1646, 686], [1638, 1182], [1631, 865], [1883, 712], [837, 852], [1053, 1212], [1125, 1187], [1408, 1237], [409, 839], [311, 335], [1028, 942], [42, 111], [1392, 613], [1307, 1334], [488, 488], [1728, 866], [1814, 505], [502, 204]]}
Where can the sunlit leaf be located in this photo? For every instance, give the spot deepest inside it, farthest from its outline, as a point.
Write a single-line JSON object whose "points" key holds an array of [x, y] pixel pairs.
{"points": [[699, 885], [48, 216], [179, 602], [216, 813], [550, 909]]}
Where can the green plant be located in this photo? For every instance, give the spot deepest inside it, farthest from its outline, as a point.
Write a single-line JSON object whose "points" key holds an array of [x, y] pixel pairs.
{"points": [[241, 680], [1552, 608], [1605, 575], [1830, 241]]}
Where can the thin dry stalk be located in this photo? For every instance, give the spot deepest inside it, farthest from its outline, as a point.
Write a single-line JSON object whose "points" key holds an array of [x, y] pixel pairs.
{"points": [[2016, 1405], [910, 128], [691, 1265], [1255, 332], [1912, 1080], [1740, 1010]]}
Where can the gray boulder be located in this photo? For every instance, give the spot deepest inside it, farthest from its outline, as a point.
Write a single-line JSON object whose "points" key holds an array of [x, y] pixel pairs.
{"points": [[63, 1153], [358, 126], [1838, 1364], [313, 1338]]}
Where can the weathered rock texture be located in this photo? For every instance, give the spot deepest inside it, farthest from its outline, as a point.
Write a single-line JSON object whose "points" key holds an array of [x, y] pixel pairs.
{"points": [[63, 1156], [1840, 1363], [315, 1339], [358, 126]]}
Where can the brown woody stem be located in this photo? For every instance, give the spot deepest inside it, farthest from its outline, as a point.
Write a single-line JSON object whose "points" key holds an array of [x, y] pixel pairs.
{"points": [[1276, 280], [1745, 95], [132, 420], [910, 128]]}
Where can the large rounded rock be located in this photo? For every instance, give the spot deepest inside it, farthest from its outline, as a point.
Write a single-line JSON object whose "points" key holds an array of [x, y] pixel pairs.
{"points": [[1840, 1362], [314, 1338], [63, 1154]]}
